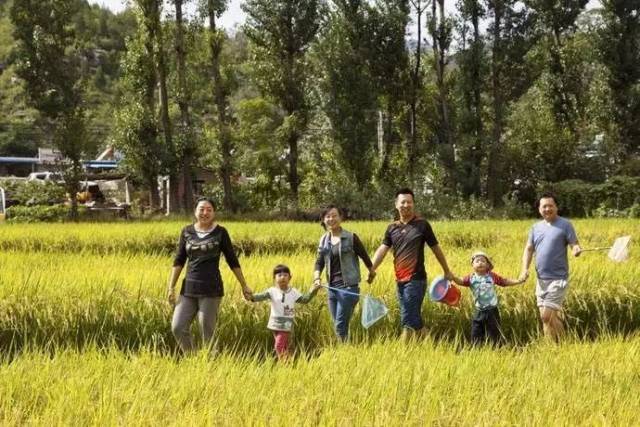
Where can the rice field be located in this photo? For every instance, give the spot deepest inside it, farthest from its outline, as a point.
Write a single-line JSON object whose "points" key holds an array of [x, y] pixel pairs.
{"points": [[85, 337]]}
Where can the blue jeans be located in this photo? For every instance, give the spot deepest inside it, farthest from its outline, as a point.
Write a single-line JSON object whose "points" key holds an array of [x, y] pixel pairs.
{"points": [[410, 297], [341, 306]]}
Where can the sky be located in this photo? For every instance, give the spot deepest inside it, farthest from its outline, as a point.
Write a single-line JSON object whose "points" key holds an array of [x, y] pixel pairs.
{"points": [[235, 16], [232, 17]]}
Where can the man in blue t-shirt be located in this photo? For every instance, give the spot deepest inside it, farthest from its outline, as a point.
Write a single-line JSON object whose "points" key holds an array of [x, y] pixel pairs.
{"points": [[549, 239]]}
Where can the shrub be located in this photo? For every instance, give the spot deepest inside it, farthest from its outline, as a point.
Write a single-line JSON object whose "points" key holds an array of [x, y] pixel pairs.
{"points": [[41, 193], [40, 213], [613, 198]]}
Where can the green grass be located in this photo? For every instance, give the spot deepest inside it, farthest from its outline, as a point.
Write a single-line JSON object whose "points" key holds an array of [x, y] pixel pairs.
{"points": [[73, 299], [280, 237], [84, 336], [388, 383]]}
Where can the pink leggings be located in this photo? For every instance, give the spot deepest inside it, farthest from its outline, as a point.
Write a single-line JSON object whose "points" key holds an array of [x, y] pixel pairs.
{"points": [[281, 343]]}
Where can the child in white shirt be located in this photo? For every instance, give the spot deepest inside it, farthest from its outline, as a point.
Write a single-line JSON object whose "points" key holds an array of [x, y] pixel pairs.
{"points": [[283, 300]]}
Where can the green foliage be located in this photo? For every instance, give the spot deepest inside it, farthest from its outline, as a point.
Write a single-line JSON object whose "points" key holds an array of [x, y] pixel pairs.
{"points": [[39, 193], [620, 53], [49, 61], [281, 69], [472, 75], [137, 127], [547, 95], [99, 42], [618, 196], [37, 213], [45, 54], [558, 22], [346, 56]]}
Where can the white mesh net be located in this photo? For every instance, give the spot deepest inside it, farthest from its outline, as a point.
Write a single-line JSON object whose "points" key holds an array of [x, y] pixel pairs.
{"points": [[373, 310], [619, 252]]}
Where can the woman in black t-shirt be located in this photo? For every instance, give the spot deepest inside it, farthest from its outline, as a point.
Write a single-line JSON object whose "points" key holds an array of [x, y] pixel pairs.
{"points": [[201, 244]]}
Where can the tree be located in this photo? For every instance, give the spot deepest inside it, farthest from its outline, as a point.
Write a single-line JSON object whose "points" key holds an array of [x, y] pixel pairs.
{"points": [[441, 33], [619, 46], [151, 20], [389, 65], [511, 35], [557, 20], [49, 63], [416, 79], [350, 95], [137, 127], [472, 80], [281, 32], [220, 98], [183, 96]]}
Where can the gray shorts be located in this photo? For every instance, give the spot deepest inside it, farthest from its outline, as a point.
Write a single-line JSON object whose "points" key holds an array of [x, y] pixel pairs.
{"points": [[551, 293]]}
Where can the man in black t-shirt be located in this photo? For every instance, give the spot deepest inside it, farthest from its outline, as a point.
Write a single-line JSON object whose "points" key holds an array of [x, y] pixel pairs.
{"points": [[407, 237]]}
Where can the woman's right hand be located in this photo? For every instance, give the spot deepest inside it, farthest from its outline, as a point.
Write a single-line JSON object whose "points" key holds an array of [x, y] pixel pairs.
{"points": [[171, 296], [247, 293]]}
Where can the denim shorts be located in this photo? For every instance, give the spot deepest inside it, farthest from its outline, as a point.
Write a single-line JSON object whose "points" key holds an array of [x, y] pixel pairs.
{"points": [[410, 296]]}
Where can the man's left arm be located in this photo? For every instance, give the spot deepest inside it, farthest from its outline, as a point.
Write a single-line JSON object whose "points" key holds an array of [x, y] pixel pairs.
{"points": [[442, 260], [572, 239], [431, 240], [576, 250]]}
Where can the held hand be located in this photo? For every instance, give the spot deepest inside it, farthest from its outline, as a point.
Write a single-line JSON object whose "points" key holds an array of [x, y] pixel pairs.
{"points": [[524, 275], [171, 296], [577, 250], [449, 275], [316, 285], [247, 293], [372, 276]]}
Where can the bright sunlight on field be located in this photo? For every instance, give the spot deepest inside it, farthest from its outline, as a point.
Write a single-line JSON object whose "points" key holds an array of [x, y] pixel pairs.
{"points": [[84, 336]]}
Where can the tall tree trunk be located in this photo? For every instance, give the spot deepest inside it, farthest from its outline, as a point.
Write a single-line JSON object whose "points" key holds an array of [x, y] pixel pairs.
{"points": [[294, 110], [416, 85], [445, 147], [563, 105], [294, 179], [154, 195], [477, 152], [184, 99], [149, 131], [494, 184], [72, 184], [220, 99], [384, 151], [164, 109]]}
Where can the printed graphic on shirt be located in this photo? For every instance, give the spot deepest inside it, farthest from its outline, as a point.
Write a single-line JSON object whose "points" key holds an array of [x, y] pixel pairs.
{"points": [[283, 304], [203, 276], [483, 289], [407, 242]]}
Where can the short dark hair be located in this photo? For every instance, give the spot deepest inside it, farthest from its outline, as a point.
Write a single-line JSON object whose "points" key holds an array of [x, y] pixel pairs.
{"points": [[405, 190], [208, 200], [281, 268], [326, 210], [547, 195]]}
